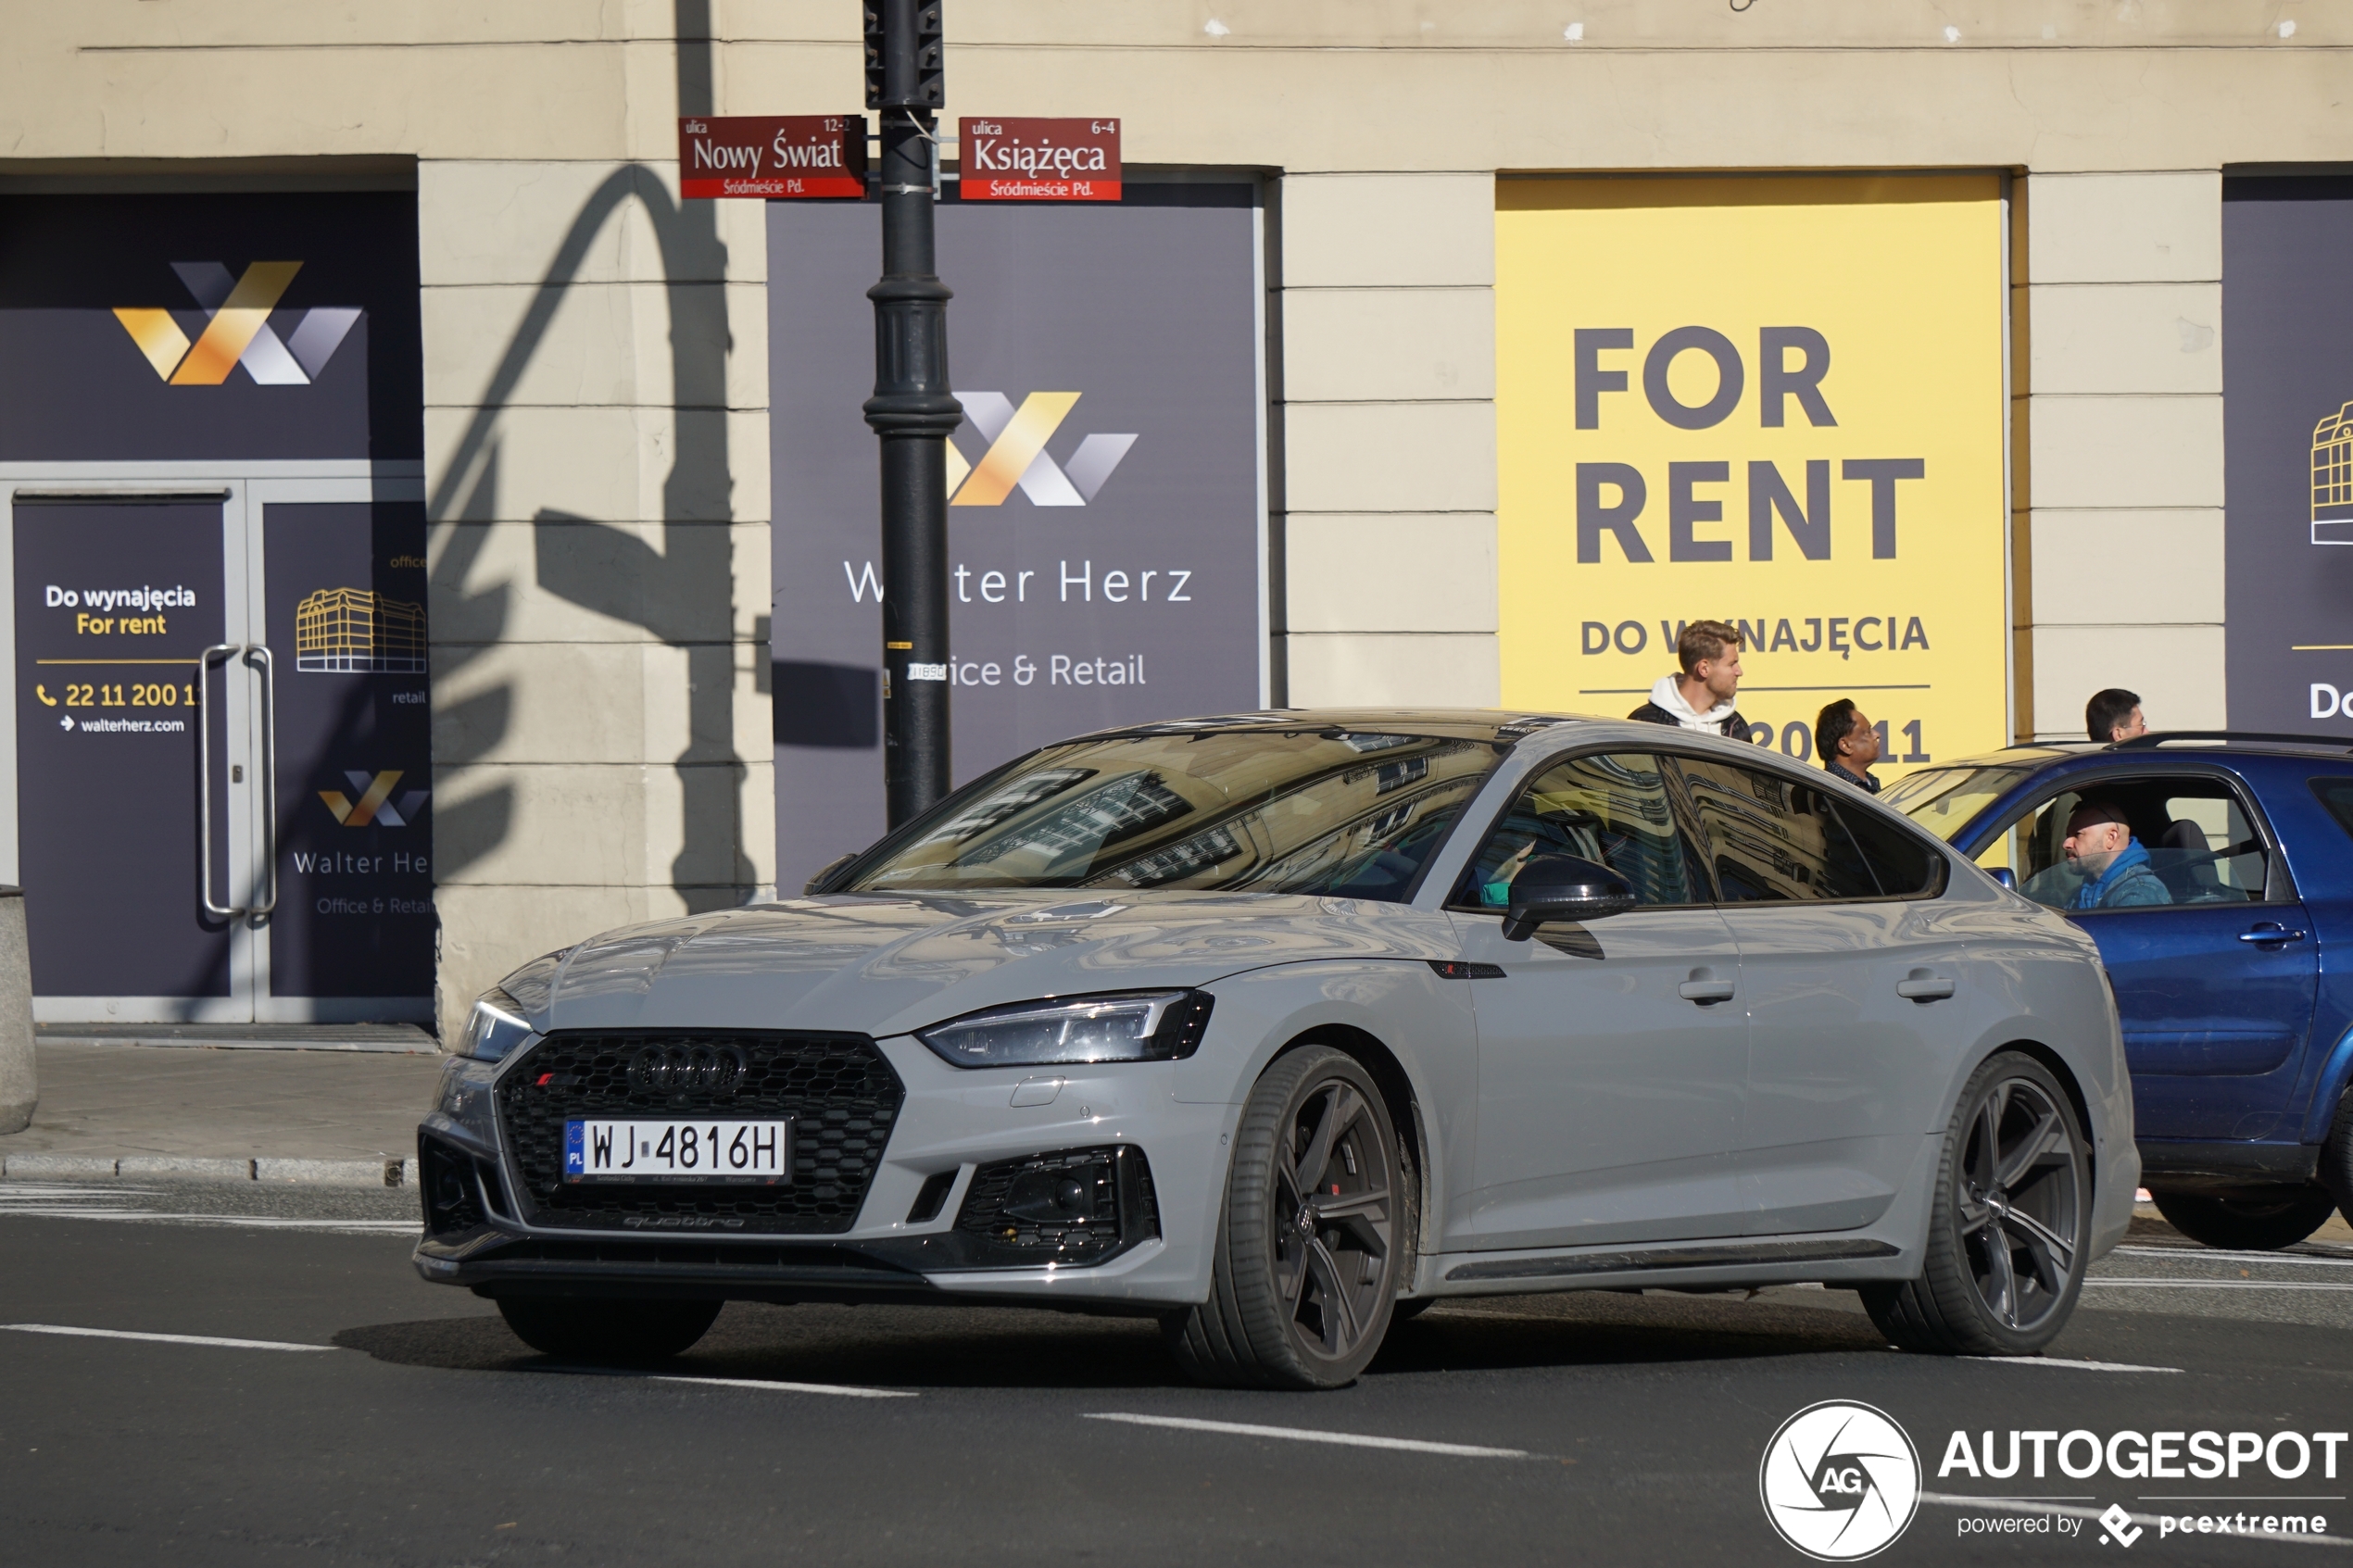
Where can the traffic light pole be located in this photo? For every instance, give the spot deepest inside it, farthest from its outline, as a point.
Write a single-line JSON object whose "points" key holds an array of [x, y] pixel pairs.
{"points": [[911, 410]]}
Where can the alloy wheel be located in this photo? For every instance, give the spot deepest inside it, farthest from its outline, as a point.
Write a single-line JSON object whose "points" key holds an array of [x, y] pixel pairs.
{"points": [[1333, 1219], [2020, 1209]]}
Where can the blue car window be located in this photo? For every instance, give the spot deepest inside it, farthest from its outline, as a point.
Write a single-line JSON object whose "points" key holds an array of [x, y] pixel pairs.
{"points": [[2191, 841], [2337, 796], [1612, 810]]}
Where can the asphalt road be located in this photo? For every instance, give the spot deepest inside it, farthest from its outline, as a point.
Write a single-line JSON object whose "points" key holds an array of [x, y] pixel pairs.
{"points": [[374, 1419]]}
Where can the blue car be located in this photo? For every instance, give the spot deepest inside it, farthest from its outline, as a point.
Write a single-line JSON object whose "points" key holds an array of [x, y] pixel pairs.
{"points": [[2215, 871]]}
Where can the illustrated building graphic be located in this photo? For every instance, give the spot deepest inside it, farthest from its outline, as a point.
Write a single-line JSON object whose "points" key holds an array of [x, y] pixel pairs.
{"points": [[2333, 479], [352, 631]]}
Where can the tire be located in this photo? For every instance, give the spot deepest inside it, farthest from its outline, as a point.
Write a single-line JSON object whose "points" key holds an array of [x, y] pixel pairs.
{"points": [[608, 1331], [2337, 1158], [2007, 1224], [1303, 1279], [2278, 1219]]}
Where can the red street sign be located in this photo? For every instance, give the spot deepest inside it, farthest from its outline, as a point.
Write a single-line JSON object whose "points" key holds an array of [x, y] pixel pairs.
{"points": [[1038, 160], [793, 154]]}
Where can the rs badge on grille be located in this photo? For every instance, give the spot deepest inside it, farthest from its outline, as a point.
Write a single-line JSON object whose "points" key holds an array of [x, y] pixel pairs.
{"points": [[703, 1068]]}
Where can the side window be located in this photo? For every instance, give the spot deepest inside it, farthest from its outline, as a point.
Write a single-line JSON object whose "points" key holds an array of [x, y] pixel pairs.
{"points": [[1770, 838], [2135, 844], [1612, 810], [1904, 866]]}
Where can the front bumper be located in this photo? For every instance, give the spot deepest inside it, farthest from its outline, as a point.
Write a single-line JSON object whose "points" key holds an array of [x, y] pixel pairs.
{"points": [[955, 1154]]}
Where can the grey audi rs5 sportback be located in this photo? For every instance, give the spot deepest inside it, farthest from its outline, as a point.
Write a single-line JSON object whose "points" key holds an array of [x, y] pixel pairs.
{"points": [[1279, 1027]]}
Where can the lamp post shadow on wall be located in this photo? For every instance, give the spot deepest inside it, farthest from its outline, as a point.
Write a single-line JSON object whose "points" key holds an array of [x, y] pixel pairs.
{"points": [[611, 570]]}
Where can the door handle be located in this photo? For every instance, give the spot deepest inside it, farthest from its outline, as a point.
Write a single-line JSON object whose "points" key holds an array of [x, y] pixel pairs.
{"points": [[2269, 932], [269, 776], [1922, 986], [219, 653], [1705, 991]]}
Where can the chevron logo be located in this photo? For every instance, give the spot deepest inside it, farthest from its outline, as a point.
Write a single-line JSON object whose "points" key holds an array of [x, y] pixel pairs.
{"points": [[236, 329], [1016, 454], [374, 805]]}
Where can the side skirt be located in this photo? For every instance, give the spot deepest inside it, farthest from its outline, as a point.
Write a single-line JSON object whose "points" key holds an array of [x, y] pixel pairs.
{"points": [[1730, 1255]]}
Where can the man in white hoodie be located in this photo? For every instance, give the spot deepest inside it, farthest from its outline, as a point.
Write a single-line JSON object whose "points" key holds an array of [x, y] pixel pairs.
{"points": [[1701, 699]]}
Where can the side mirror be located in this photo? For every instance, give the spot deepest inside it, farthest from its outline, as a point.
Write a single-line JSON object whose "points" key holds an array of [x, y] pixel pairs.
{"points": [[1562, 887], [816, 884], [2005, 876]]}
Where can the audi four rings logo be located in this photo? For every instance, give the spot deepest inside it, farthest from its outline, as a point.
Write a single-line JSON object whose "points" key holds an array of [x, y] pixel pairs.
{"points": [[236, 329], [670, 1069], [1839, 1481], [1017, 453]]}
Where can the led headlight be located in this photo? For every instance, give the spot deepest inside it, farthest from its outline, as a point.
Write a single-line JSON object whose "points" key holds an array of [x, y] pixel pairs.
{"points": [[1117, 1026], [495, 1027], [501, 1016]]}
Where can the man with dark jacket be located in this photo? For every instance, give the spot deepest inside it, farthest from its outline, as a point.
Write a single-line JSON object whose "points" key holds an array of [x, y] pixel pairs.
{"points": [[1701, 699], [1847, 743]]}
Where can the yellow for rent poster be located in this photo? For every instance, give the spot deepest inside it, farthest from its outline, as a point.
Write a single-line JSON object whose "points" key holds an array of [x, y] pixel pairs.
{"points": [[1773, 402]]}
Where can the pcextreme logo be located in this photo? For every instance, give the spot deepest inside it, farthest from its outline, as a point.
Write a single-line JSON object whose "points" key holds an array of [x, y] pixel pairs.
{"points": [[1017, 453], [236, 329], [374, 807]]}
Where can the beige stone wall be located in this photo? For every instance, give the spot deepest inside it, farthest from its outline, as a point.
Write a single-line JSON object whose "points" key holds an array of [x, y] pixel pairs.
{"points": [[2123, 286], [594, 353], [1388, 308]]}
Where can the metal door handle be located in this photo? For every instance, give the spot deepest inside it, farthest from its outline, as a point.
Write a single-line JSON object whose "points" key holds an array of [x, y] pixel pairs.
{"points": [[1705, 991], [269, 776], [2270, 932], [1924, 988], [218, 652]]}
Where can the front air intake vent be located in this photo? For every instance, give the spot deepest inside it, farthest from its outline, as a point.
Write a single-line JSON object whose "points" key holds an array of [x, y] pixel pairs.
{"points": [[1074, 1205]]}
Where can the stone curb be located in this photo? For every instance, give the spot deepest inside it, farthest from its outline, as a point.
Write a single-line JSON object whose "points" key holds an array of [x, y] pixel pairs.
{"points": [[384, 1172]]}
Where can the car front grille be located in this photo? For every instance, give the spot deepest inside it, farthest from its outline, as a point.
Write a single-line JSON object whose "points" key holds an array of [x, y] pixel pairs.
{"points": [[838, 1090]]}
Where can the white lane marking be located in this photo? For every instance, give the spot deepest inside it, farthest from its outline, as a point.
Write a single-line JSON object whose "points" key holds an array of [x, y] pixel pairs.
{"points": [[2056, 1360], [247, 1221], [2205, 1254], [2147, 1520], [2215, 1283], [843, 1389], [11, 1191], [162, 1339], [1347, 1440]]}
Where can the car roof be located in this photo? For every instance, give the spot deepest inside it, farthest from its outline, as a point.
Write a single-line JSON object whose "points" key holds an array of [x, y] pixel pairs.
{"points": [[1449, 723], [2174, 745]]}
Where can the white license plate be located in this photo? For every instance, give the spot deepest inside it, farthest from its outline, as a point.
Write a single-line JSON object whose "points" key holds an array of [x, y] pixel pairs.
{"points": [[731, 1151]]}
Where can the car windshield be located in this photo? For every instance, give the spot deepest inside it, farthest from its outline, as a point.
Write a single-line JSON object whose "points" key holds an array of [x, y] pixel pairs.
{"points": [[1946, 800], [1347, 813]]}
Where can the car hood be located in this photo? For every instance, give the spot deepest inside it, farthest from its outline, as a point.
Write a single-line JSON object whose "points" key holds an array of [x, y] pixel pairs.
{"points": [[885, 964]]}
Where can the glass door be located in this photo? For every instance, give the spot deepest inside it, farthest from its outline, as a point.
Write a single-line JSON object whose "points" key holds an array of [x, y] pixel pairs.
{"points": [[222, 770], [134, 848], [339, 585]]}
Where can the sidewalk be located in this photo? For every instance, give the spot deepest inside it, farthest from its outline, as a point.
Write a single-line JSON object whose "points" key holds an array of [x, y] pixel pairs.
{"points": [[336, 1117]]}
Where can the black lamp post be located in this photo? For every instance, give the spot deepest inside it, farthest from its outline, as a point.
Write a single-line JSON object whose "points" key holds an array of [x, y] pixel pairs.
{"points": [[911, 409]]}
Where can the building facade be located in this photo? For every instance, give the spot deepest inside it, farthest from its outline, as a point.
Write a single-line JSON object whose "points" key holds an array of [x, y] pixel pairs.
{"points": [[1517, 327]]}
